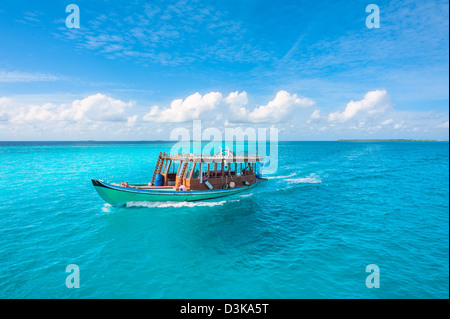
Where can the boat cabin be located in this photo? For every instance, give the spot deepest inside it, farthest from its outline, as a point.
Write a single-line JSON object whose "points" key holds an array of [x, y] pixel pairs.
{"points": [[206, 172]]}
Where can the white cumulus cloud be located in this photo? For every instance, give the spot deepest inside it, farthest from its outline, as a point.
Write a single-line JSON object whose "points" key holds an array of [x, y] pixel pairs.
{"points": [[96, 107], [237, 102], [185, 110], [237, 99], [233, 108], [373, 102], [280, 108]]}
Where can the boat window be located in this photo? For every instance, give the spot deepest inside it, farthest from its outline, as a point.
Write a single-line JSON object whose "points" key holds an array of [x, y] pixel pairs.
{"points": [[193, 170], [213, 169], [204, 170], [208, 169], [164, 169], [188, 170], [178, 166], [219, 169], [167, 166], [234, 169], [180, 169], [174, 167], [195, 173]]}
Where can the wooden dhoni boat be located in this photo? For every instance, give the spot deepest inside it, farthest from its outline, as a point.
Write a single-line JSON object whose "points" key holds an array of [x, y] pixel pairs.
{"points": [[188, 177]]}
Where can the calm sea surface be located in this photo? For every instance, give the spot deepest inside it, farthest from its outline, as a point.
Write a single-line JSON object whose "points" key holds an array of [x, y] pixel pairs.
{"points": [[331, 209]]}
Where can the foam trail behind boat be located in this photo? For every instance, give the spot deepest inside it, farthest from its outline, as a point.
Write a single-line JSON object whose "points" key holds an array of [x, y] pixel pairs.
{"points": [[174, 204], [312, 179], [281, 177]]}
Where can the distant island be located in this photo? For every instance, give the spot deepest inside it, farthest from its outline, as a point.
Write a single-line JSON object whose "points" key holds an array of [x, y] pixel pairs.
{"points": [[384, 140]]}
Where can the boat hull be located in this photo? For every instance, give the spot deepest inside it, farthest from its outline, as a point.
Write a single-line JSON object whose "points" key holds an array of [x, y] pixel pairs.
{"points": [[116, 195]]}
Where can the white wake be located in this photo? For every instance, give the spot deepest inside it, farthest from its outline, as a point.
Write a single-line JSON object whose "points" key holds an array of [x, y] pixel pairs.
{"points": [[312, 179], [174, 204]]}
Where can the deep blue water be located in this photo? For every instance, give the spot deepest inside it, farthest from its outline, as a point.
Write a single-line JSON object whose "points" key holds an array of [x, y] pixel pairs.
{"points": [[331, 209]]}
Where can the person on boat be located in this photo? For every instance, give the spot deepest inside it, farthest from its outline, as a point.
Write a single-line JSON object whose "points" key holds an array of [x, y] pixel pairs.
{"points": [[247, 170]]}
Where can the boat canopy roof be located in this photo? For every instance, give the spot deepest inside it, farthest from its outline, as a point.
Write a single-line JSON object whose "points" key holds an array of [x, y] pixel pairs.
{"points": [[226, 155]]}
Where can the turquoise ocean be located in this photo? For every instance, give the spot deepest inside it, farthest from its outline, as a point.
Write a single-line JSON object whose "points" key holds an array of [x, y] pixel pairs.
{"points": [[330, 210]]}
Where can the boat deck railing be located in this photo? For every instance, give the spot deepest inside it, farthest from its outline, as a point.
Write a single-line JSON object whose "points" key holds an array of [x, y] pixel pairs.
{"points": [[201, 157]]}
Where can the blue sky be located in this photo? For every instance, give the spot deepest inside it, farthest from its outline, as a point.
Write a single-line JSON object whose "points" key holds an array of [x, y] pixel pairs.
{"points": [[138, 69]]}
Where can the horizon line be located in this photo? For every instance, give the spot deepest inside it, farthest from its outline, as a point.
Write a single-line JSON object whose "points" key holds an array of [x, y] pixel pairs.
{"points": [[226, 141]]}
